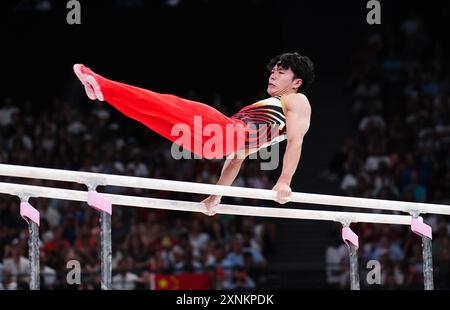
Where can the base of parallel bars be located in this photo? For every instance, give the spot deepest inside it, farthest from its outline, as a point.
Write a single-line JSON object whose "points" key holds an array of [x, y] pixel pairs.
{"points": [[33, 248], [352, 241], [354, 267], [106, 251], [423, 230], [427, 263]]}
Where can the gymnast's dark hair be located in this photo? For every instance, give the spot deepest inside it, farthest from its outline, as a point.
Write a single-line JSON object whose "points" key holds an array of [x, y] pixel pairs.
{"points": [[302, 67]]}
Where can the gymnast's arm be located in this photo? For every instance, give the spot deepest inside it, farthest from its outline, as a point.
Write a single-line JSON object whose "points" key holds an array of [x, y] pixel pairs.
{"points": [[230, 170], [298, 117]]}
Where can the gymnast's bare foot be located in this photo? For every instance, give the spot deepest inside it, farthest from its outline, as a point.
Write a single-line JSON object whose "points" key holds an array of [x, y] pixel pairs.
{"points": [[87, 77]]}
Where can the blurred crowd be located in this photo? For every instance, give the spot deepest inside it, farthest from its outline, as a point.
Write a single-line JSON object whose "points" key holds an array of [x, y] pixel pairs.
{"points": [[92, 136], [399, 94]]}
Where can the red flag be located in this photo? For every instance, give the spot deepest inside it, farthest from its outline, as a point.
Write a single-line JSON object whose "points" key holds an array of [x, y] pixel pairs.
{"points": [[186, 281]]}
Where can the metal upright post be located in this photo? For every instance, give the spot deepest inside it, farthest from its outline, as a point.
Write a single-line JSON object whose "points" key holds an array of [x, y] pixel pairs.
{"points": [[420, 228], [351, 239], [31, 216], [98, 202], [106, 251]]}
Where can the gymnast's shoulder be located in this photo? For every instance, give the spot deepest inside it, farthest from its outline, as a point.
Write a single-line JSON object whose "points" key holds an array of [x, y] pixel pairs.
{"points": [[297, 102]]}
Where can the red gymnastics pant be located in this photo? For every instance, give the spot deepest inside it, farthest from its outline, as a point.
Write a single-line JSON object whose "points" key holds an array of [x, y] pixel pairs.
{"points": [[161, 112]]}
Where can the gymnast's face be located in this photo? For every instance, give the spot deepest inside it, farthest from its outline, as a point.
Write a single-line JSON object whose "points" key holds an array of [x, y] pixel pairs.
{"points": [[282, 82]]}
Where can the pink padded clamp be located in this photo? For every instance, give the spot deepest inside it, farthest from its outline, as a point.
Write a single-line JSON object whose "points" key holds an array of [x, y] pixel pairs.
{"points": [[349, 236], [420, 228], [99, 203], [29, 213]]}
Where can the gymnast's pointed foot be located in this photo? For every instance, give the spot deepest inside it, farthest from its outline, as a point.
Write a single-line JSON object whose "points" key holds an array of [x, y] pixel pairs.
{"points": [[87, 77]]}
